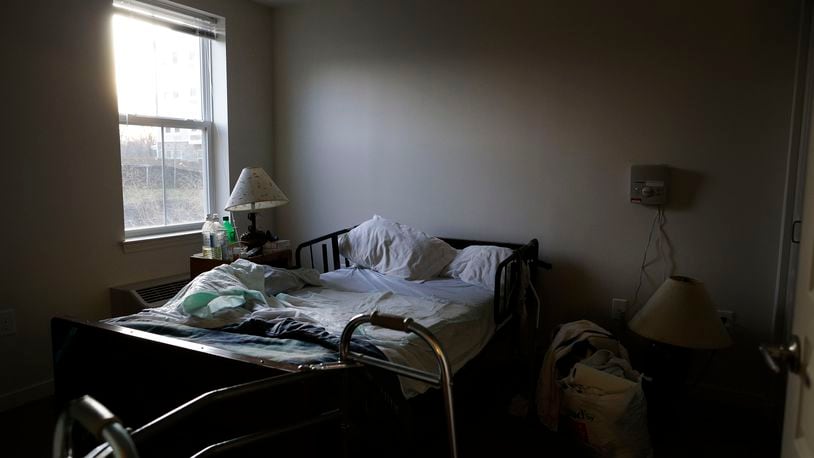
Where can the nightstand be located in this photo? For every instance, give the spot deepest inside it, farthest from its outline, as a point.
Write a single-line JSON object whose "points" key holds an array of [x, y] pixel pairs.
{"points": [[199, 264]]}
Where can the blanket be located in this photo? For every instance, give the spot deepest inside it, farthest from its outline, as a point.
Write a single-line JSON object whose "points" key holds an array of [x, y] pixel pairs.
{"points": [[290, 328], [286, 339]]}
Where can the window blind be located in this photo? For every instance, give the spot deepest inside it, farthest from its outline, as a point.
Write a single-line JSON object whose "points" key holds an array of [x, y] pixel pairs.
{"points": [[171, 15]]}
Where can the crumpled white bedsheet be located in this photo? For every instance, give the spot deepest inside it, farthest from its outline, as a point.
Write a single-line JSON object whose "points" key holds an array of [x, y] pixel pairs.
{"points": [[233, 293], [463, 329], [228, 294]]}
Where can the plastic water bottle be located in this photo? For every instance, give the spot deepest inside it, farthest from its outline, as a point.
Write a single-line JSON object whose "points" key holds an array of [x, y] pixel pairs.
{"points": [[217, 238], [206, 233]]}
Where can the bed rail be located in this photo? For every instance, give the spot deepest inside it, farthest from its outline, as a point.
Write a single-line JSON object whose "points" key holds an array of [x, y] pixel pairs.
{"points": [[322, 242], [509, 277]]}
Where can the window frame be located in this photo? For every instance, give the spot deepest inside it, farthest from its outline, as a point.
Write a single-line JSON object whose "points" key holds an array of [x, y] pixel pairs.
{"points": [[207, 140]]}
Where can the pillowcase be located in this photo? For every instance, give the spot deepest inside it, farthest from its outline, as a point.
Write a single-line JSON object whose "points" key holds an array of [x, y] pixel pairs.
{"points": [[394, 249], [477, 264]]}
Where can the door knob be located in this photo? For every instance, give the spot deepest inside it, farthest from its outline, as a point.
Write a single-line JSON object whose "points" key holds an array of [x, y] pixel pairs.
{"points": [[777, 356]]}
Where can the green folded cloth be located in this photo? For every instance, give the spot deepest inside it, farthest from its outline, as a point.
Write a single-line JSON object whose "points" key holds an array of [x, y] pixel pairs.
{"points": [[204, 304]]}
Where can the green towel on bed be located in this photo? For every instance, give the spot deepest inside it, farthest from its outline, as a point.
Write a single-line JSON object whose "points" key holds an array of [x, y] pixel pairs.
{"points": [[231, 286], [204, 304]]}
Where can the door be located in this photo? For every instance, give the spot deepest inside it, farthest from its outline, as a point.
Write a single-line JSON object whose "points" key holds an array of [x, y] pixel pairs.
{"points": [[798, 423], [796, 317]]}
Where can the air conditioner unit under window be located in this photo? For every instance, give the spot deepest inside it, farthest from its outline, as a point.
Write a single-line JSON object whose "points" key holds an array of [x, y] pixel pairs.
{"points": [[134, 297]]}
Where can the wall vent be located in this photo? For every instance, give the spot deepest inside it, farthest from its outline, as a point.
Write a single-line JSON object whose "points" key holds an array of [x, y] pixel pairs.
{"points": [[131, 298]]}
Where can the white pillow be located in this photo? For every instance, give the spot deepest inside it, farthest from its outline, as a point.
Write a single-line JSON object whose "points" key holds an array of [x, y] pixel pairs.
{"points": [[395, 249], [477, 264]]}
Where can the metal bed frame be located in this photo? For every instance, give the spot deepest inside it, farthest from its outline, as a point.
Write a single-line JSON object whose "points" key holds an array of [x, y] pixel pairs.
{"points": [[133, 359], [506, 276], [119, 442]]}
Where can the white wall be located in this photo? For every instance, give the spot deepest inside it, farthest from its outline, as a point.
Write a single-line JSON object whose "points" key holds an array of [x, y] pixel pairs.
{"points": [[61, 171], [512, 120]]}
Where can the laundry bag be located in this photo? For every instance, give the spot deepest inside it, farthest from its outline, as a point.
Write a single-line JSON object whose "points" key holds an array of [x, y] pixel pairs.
{"points": [[605, 412], [588, 390]]}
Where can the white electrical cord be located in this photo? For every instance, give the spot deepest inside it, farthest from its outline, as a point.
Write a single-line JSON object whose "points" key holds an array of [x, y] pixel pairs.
{"points": [[664, 251], [664, 248]]}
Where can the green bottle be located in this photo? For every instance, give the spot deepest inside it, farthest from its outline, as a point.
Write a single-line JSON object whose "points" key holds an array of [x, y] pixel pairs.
{"points": [[230, 230]]}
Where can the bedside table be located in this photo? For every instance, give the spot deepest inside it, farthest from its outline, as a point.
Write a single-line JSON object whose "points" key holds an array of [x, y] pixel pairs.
{"points": [[199, 264]]}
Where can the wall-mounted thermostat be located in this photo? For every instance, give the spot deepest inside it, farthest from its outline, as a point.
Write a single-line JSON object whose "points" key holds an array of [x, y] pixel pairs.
{"points": [[648, 184]]}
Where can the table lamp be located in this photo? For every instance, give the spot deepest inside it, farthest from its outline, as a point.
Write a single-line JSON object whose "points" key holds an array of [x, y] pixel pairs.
{"points": [[681, 313], [679, 319], [254, 190]]}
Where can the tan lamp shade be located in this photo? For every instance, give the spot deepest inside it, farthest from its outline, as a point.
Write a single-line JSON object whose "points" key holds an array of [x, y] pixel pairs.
{"points": [[681, 313], [255, 190]]}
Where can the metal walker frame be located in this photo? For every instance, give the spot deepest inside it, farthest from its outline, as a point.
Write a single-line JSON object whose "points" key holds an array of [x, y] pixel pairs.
{"points": [[441, 380], [98, 420]]}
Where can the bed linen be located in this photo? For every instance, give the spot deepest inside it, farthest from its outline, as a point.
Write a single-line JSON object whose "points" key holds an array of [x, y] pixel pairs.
{"points": [[459, 314]]}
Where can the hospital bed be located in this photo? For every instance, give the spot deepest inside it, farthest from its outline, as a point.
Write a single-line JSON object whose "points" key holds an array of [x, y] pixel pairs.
{"points": [[140, 375]]}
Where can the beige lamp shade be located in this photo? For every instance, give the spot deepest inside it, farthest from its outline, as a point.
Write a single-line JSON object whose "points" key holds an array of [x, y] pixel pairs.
{"points": [[681, 313], [255, 190]]}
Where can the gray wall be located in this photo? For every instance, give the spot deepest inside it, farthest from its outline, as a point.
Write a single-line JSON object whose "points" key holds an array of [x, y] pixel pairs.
{"points": [[61, 169], [512, 120]]}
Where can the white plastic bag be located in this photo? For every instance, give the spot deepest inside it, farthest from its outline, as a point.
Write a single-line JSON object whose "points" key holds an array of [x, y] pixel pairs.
{"points": [[606, 413]]}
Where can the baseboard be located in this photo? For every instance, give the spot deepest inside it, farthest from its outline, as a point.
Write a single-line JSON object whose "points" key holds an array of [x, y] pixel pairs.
{"points": [[25, 395]]}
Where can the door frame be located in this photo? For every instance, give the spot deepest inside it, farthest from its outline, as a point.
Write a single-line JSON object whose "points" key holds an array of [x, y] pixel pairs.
{"points": [[796, 160]]}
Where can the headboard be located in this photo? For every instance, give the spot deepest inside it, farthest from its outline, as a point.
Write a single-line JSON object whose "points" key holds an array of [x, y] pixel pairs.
{"points": [[507, 275]]}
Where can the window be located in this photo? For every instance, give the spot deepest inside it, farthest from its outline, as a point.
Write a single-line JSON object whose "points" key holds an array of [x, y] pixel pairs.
{"points": [[163, 82]]}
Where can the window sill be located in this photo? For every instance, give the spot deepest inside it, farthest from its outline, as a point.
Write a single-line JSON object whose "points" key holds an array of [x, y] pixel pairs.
{"points": [[157, 242]]}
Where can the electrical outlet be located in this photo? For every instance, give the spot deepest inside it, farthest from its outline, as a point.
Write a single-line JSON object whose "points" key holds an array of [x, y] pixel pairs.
{"points": [[8, 325], [618, 308], [727, 317]]}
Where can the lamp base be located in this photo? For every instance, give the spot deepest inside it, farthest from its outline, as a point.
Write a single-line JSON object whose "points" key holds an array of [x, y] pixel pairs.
{"points": [[668, 368], [253, 239]]}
